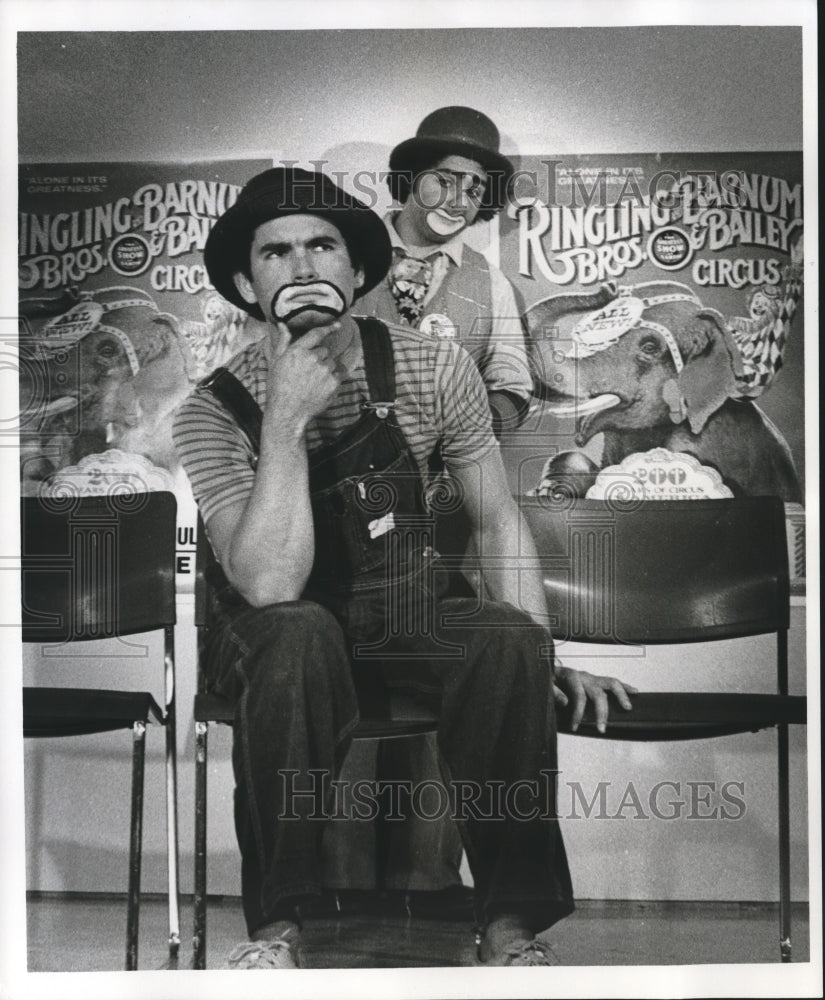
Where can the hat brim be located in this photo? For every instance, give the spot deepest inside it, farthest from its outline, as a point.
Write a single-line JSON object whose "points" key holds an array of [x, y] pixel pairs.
{"points": [[226, 252], [410, 151]]}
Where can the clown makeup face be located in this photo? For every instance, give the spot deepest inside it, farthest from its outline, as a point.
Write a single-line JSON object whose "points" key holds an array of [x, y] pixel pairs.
{"points": [[444, 201], [761, 305], [300, 272]]}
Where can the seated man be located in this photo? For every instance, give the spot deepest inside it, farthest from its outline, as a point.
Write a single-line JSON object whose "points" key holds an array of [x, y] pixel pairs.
{"points": [[310, 529]]}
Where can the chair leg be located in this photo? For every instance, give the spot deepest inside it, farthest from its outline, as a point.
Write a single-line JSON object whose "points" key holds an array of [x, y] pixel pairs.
{"points": [[784, 809], [135, 845], [199, 936], [172, 836]]}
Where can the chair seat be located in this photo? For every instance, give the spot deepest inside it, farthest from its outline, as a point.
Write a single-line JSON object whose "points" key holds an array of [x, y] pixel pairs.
{"points": [[374, 729], [656, 715], [49, 711], [213, 708], [667, 715], [401, 717]]}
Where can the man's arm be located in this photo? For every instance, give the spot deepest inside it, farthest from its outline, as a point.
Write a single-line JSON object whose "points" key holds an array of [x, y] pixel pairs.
{"points": [[507, 375], [509, 562], [265, 543], [511, 573]]}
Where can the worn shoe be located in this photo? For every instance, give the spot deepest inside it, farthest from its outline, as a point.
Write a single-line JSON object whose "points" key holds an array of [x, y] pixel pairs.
{"points": [[533, 952], [522, 953], [275, 954]]}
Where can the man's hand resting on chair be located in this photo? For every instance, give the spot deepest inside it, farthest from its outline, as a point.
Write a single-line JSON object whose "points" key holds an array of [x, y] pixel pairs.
{"points": [[574, 688]]}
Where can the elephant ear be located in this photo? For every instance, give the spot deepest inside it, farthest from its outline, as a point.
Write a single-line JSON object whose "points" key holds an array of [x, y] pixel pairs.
{"points": [[712, 362]]}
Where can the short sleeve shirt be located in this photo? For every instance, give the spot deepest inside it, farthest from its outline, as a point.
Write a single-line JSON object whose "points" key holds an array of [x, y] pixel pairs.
{"points": [[441, 404]]}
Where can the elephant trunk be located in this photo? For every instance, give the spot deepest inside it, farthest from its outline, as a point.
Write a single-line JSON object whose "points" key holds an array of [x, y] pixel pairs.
{"points": [[541, 317]]}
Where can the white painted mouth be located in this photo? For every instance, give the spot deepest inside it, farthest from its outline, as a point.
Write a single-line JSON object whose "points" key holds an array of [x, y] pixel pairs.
{"points": [[581, 407], [444, 224], [318, 293]]}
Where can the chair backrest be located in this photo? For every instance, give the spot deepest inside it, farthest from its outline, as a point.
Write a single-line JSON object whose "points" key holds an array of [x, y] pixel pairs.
{"points": [[662, 571], [97, 566], [208, 574], [203, 558]]}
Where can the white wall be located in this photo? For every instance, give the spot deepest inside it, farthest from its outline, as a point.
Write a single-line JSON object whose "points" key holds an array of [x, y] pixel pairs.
{"points": [[301, 95], [348, 97]]}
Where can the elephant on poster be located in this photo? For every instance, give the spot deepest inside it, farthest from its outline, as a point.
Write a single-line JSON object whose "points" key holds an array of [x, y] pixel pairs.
{"points": [[99, 370], [103, 371], [650, 367]]}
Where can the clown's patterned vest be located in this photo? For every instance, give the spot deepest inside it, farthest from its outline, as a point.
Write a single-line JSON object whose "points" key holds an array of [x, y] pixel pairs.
{"points": [[464, 298]]}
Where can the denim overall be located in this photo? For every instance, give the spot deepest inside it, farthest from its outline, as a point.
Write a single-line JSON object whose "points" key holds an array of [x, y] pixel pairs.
{"points": [[374, 611], [373, 529]]}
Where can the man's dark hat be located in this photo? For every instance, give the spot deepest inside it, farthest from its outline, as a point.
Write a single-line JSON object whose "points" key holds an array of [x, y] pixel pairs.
{"points": [[292, 191], [458, 131]]}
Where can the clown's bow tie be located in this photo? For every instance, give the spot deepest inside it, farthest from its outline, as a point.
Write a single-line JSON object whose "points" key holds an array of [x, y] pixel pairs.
{"points": [[410, 281]]}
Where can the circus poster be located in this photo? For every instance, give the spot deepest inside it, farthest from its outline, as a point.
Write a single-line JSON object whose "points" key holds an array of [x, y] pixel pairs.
{"points": [[117, 321], [662, 299]]}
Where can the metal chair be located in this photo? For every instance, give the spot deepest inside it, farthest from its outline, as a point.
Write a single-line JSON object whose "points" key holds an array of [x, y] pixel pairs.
{"points": [[384, 714], [665, 572], [609, 577], [100, 568]]}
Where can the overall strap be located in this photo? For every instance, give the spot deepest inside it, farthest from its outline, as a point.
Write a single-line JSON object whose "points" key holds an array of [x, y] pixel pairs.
{"points": [[238, 401], [379, 362]]}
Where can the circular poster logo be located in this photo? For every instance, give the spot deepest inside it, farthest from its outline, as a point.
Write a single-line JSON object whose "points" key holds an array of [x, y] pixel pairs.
{"points": [[669, 248], [129, 254]]}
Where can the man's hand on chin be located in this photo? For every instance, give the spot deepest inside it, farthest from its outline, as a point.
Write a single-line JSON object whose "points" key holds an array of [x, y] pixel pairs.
{"points": [[301, 377]]}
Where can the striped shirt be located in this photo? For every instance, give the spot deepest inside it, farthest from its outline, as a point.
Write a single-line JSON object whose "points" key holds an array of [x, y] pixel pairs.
{"points": [[440, 399]]}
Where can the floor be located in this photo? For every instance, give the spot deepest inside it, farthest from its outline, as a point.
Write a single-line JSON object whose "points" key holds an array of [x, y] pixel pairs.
{"points": [[86, 933]]}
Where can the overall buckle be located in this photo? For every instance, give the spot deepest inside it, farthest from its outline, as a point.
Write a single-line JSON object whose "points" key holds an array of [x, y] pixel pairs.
{"points": [[381, 410]]}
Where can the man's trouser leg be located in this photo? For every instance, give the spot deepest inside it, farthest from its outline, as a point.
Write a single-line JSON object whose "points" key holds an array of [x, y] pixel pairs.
{"points": [[422, 854], [497, 739], [286, 668]]}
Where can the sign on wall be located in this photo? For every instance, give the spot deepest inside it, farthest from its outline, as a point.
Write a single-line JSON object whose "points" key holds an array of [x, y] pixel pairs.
{"points": [[662, 295], [118, 320]]}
